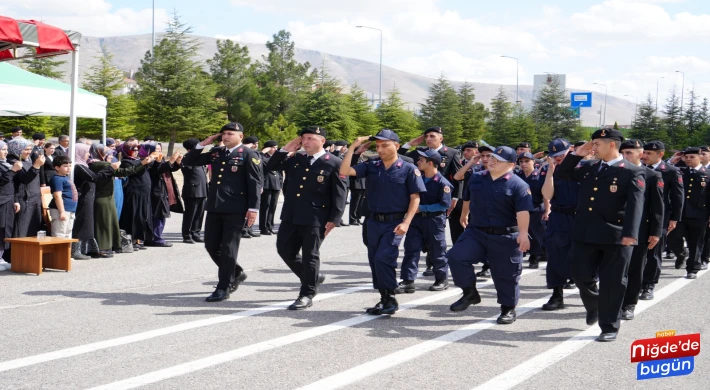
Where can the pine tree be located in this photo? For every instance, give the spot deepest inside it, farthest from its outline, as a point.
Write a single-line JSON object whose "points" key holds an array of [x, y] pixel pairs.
{"points": [[473, 114], [44, 66], [499, 126], [442, 108], [691, 119], [280, 130], [365, 119], [522, 127], [704, 122], [552, 115], [231, 72], [393, 116], [616, 125], [175, 96], [672, 123], [646, 125]]}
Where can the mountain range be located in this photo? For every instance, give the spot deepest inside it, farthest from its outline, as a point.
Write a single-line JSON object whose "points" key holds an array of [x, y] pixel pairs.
{"points": [[129, 50]]}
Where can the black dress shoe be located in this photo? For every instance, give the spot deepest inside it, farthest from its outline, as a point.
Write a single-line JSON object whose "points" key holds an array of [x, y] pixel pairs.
{"points": [[533, 264], [428, 272], [605, 337], [161, 244], [377, 309], [627, 312], [188, 241], [320, 280], [703, 266], [679, 261], [273, 231], [592, 317], [355, 223], [439, 285], [668, 256], [390, 305], [197, 239], [692, 275], [301, 303], [570, 285], [239, 280], [485, 272], [470, 297], [342, 223], [646, 294], [254, 234], [405, 287], [507, 315], [265, 233], [556, 302], [218, 295], [246, 235]]}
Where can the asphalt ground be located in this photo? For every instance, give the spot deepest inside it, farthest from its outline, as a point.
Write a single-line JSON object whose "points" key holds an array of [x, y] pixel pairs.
{"points": [[140, 320]]}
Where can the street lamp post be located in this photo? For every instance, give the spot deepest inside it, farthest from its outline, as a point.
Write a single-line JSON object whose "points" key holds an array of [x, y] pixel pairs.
{"points": [[682, 90], [152, 45], [657, 81], [517, 85], [605, 95], [636, 110], [373, 28]]}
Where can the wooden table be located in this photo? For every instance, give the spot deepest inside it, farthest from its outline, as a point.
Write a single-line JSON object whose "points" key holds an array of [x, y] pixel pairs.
{"points": [[32, 255]]}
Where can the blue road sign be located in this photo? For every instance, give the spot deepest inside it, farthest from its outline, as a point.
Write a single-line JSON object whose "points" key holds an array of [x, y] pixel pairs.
{"points": [[580, 99]]}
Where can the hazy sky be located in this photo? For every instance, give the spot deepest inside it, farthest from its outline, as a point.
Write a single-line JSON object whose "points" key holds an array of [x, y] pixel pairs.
{"points": [[626, 44]]}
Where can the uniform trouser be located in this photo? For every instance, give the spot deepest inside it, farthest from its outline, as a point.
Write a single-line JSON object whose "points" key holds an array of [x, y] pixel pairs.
{"points": [[652, 270], [222, 237], [537, 232], [705, 257], [429, 231], [639, 259], [693, 230], [193, 216], [307, 239], [504, 259], [158, 227], [356, 199], [455, 222], [558, 245], [611, 263], [382, 253], [267, 209]]}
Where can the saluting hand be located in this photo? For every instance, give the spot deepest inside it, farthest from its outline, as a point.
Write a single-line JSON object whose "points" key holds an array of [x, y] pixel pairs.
{"points": [[584, 150], [539, 154], [524, 242], [359, 140], [416, 141], [209, 140], [652, 241], [251, 217], [328, 227], [363, 148], [293, 145]]}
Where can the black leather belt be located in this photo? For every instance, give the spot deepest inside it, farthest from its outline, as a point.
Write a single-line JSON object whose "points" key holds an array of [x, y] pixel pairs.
{"points": [[425, 214], [387, 217], [498, 231], [564, 210]]}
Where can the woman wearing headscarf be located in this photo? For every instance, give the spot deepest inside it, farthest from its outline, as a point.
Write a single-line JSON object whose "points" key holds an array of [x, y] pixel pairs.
{"points": [[8, 207], [164, 195], [28, 221], [106, 227], [137, 215], [85, 181]]}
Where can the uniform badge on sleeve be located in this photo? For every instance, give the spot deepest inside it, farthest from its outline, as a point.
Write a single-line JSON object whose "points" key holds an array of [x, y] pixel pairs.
{"points": [[256, 161], [417, 172], [641, 183], [529, 192], [660, 184], [320, 179], [447, 189]]}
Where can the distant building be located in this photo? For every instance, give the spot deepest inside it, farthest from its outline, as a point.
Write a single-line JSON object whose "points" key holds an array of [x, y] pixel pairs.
{"points": [[129, 85]]}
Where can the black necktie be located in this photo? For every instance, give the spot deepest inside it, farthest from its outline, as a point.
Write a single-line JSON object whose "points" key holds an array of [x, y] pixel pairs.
{"points": [[310, 160], [604, 167], [693, 171]]}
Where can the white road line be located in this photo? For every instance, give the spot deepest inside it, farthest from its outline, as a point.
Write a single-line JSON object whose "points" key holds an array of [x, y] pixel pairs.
{"points": [[82, 349], [210, 361], [386, 362], [536, 364]]}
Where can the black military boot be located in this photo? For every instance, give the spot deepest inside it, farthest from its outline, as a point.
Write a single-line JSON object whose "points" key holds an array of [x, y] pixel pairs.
{"points": [[557, 300], [390, 305], [470, 297], [377, 309], [405, 287], [507, 315], [647, 293], [680, 260]]}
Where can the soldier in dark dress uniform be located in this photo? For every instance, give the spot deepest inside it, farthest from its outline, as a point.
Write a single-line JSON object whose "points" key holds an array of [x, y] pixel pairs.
{"points": [[194, 194], [696, 210], [450, 164], [606, 226], [232, 202], [651, 226], [673, 198], [314, 202], [273, 183]]}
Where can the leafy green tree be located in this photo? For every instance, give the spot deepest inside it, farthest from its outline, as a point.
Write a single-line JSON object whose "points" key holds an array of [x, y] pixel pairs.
{"points": [[552, 115], [280, 130], [522, 128], [366, 121], [176, 97], [473, 114], [646, 125], [394, 116], [232, 73], [29, 124], [45, 66], [325, 106], [442, 108], [672, 122], [499, 127], [704, 121]]}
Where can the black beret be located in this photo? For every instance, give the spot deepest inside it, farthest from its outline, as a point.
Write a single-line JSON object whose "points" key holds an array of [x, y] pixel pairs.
{"points": [[250, 140], [341, 142], [190, 143], [579, 143], [704, 148], [38, 136], [2, 135], [270, 144], [470, 144], [313, 130], [234, 126], [654, 145], [610, 134], [691, 150], [523, 145], [149, 138], [631, 144], [15, 129], [328, 143], [435, 129]]}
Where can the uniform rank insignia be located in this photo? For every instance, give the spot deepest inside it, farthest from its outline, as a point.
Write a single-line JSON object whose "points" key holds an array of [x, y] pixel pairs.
{"points": [[529, 192], [641, 183], [255, 161], [612, 188], [443, 164], [417, 172], [234, 168], [240, 150], [680, 180], [447, 189], [320, 179], [660, 184]]}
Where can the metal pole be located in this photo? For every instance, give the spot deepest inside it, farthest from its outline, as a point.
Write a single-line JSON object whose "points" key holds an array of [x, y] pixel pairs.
{"points": [[606, 90], [682, 90], [517, 84], [657, 81], [152, 46], [600, 116], [103, 130], [380, 66], [72, 108]]}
